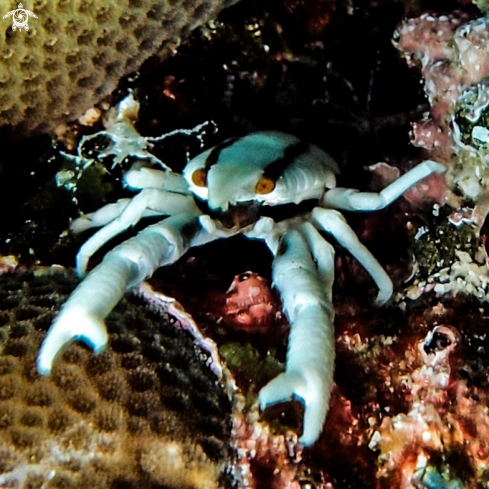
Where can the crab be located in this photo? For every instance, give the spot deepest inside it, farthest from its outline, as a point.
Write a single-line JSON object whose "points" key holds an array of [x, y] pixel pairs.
{"points": [[266, 185]]}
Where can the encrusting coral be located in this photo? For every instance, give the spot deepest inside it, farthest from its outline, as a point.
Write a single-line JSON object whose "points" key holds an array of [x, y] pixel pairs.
{"points": [[75, 52], [147, 413], [452, 54]]}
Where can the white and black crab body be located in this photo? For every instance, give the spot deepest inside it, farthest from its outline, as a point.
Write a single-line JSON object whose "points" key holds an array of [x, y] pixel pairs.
{"points": [[232, 189]]}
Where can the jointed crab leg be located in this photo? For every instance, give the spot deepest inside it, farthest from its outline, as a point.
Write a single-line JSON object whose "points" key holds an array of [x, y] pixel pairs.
{"points": [[150, 200], [82, 316], [353, 200], [333, 222], [140, 177], [323, 254], [104, 215], [159, 185], [310, 357]]}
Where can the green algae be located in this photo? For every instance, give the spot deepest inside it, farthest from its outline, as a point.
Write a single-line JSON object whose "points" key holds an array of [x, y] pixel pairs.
{"points": [[436, 242], [251, 369]]}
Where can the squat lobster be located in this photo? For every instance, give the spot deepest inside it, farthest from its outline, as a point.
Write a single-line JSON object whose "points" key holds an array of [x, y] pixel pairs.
{"points": [[239, 183]]}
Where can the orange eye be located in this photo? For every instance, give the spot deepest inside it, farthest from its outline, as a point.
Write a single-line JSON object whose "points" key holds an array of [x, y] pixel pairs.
{"points": [[264, 186], [199, 177]]}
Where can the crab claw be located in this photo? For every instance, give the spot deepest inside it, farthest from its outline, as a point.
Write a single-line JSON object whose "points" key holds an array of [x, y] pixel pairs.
{"points": [[70, 325], [307, 386]]}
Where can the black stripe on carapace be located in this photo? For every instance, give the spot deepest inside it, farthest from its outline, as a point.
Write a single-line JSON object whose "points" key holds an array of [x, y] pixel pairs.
{"points": [[287, 211], [216, 152], [253, 210], [276, 168]]}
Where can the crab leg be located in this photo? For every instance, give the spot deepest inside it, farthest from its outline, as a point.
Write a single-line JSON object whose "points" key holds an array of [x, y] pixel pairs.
{"points": [[82, 316], [140, 178], [333, 222], [323, 254], [103, 216], [156, 201], [307, 304], [353, 200]]}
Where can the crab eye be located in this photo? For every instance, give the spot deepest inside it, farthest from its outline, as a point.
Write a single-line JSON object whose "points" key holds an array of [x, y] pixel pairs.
{"points": [[244, 276], [264, 186], [199, 177]]}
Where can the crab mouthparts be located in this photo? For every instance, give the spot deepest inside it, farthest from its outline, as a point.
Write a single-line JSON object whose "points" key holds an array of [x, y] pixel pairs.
{"points": [[238, 215]]}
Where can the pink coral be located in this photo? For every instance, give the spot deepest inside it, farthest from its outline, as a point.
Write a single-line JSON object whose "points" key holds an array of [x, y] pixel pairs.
{"points": [[453, 55]]}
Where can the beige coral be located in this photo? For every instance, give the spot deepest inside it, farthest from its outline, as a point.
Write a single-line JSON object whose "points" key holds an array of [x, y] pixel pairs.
{"points": [[126, 418], [75, 51]]}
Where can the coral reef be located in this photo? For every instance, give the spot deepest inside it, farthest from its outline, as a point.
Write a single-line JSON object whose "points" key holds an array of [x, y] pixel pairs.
{"points": [[76, 51], [438, 438], [414, 417], [452, 54], [146, 413], [325, 71]]}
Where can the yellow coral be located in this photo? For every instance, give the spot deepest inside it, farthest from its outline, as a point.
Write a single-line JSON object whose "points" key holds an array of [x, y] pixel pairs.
{"points": [[75, 51]]}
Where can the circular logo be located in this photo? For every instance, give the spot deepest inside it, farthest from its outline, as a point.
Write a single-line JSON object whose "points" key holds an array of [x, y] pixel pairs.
{"points": [[20, 16]]}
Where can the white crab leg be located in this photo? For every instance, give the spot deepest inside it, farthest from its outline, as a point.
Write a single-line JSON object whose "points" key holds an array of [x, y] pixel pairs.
{"points": [[140, 177], [333, 222], [137, 178], [82, 316], [159, 202], [100, 217], [323, 254], [310, 357], [354, 200]]}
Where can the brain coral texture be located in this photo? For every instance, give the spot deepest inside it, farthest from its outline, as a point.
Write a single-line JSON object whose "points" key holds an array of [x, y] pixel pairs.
{"points": [[147, 413], [76, 50]]}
